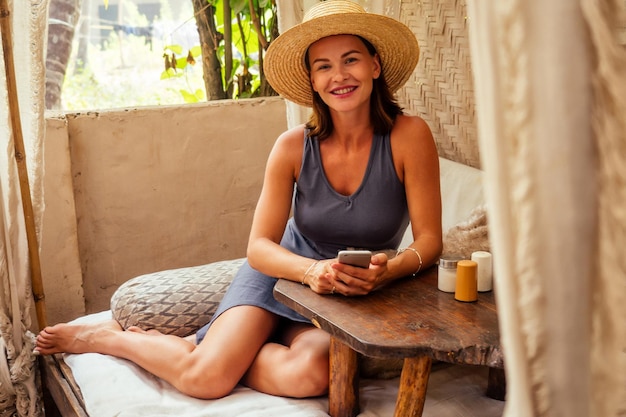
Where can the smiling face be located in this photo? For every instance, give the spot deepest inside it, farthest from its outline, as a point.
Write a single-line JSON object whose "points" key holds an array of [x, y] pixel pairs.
{"points": [[342, 71]]}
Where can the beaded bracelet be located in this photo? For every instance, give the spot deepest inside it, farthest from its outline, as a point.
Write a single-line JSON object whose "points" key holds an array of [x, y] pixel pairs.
{"points": [[419, 268], [307, 271]]}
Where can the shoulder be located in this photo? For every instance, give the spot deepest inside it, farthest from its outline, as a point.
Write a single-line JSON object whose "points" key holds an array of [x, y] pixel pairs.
{"points": [[410, 133], [412, 143], [292, 138], [287, 150], [411, 128]]}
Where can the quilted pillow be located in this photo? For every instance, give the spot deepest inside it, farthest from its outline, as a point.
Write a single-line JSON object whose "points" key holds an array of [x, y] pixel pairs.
{"points": [[177, 301]]}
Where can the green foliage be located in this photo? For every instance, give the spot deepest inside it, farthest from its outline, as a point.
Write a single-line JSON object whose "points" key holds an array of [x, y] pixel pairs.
{"points": [[196, 97], [174, 61], [177, 49], [124, 71], [245, 75]]}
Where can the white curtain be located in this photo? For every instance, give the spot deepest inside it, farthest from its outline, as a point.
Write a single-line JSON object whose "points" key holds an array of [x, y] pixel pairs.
{"points": [[19, 394], [551, 97], [290, 13]]}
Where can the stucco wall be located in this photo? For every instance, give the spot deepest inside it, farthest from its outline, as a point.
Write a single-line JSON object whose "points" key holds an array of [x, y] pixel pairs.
{"points": [[60, 263], [153, 189]]}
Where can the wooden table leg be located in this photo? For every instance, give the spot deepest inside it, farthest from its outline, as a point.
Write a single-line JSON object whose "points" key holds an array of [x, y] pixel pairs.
{"points": [[343, 389], [496, 385], [413, 384]]}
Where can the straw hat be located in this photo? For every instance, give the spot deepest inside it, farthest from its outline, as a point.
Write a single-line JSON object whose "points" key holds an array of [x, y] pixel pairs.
{"points": [[284, 64]]}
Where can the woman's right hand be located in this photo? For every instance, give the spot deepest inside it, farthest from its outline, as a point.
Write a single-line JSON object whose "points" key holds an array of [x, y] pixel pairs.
{"points": [[321, 277]]}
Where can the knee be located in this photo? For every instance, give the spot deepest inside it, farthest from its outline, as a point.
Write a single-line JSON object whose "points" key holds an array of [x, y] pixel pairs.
{"points": [[320, 376], [313, 374], [204, 381]]}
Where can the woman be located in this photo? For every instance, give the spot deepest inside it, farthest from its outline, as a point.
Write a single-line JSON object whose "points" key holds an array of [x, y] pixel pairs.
{"points": [[361, 170]]}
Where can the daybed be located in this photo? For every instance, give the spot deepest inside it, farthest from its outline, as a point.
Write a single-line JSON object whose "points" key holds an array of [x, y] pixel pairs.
{"points": [[177, 301]]}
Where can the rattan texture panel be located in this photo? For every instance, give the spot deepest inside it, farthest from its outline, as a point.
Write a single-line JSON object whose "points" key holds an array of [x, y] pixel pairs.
{"points": [[441, 88]]}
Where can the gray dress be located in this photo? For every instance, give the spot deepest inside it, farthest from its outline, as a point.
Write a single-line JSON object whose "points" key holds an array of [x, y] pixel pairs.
{"points": [[325, 222]]}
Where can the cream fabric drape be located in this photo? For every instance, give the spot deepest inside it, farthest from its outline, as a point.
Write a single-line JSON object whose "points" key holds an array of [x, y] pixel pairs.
{"points": [[19, 393], [291, 13], [550, 92], [607, 34]]}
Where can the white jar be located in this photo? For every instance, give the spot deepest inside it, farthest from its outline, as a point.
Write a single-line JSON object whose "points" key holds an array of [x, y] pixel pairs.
{"points": [[446, 280], [485, 275]]}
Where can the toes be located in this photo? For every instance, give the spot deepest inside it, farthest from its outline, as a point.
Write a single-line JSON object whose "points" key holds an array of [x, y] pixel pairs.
{"points": [[44, 345], [42, 339]]}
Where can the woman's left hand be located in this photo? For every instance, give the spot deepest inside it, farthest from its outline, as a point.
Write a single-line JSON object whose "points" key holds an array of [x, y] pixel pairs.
{"points": [[352, 280]]}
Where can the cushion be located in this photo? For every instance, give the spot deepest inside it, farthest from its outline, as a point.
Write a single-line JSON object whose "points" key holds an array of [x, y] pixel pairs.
{"points": [[177, 301], [470, 235], [461, 193]]}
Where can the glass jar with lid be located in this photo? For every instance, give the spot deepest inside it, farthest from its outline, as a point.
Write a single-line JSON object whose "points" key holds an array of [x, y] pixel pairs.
{"points": [[446, 280]]}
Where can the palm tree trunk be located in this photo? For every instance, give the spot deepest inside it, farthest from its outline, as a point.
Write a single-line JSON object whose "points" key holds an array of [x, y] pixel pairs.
{"points": [[209, 40], [63, 16]]}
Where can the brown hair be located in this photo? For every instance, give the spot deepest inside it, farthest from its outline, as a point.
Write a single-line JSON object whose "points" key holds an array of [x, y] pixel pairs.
{"points": [[383, 106]]}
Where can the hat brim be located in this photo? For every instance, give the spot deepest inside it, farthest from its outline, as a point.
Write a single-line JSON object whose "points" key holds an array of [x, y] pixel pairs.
{"points": [[284, 65]]}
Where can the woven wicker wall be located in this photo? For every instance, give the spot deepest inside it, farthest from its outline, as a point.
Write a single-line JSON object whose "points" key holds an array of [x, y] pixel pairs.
{"points": [[441, 88]]}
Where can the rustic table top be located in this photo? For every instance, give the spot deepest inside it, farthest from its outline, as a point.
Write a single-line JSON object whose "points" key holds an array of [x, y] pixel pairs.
{"points": [[407, 318]]}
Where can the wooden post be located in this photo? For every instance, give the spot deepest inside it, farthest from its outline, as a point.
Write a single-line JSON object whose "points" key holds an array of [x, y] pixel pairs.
{"points": [[343, 390], [496, 384], [20, 158], [413, 385]]}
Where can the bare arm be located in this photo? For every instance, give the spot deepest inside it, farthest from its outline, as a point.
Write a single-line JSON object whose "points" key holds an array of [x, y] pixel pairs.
{"points": [[273, 209], [415, 152]]}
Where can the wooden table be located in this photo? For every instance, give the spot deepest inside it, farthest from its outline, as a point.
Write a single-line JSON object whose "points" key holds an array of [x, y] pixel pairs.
{"points": [[409, 319]]}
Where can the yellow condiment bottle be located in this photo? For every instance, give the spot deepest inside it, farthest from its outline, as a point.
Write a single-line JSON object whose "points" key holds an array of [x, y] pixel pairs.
{"points": [[466, 281]]}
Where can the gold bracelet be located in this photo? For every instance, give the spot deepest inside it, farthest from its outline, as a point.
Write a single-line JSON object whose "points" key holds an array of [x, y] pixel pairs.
{"points": [[419, 268], [307, 272]]}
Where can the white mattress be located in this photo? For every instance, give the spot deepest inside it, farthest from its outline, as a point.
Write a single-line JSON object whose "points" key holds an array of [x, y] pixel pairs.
{"points": [[116, 387]]}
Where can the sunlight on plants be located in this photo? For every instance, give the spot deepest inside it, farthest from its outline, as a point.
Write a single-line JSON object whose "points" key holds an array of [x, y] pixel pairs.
{"points": [[124, 70], [134, 62]]}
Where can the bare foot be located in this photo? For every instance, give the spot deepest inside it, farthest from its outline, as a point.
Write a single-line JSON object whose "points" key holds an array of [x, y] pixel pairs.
{"points": [[74, 338]]}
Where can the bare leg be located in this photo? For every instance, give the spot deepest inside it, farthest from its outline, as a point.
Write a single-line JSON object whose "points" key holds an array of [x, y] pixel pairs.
{"points": [[234, 350], [153, 332], [209, 370], [298, 368]]}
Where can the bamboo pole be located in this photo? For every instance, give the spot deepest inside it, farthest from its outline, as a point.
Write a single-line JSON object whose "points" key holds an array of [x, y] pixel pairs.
{"points": [[20, 159]]}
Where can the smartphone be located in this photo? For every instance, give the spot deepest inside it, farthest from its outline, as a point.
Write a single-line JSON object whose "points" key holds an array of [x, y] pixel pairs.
{"points": [[360, 258]]}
